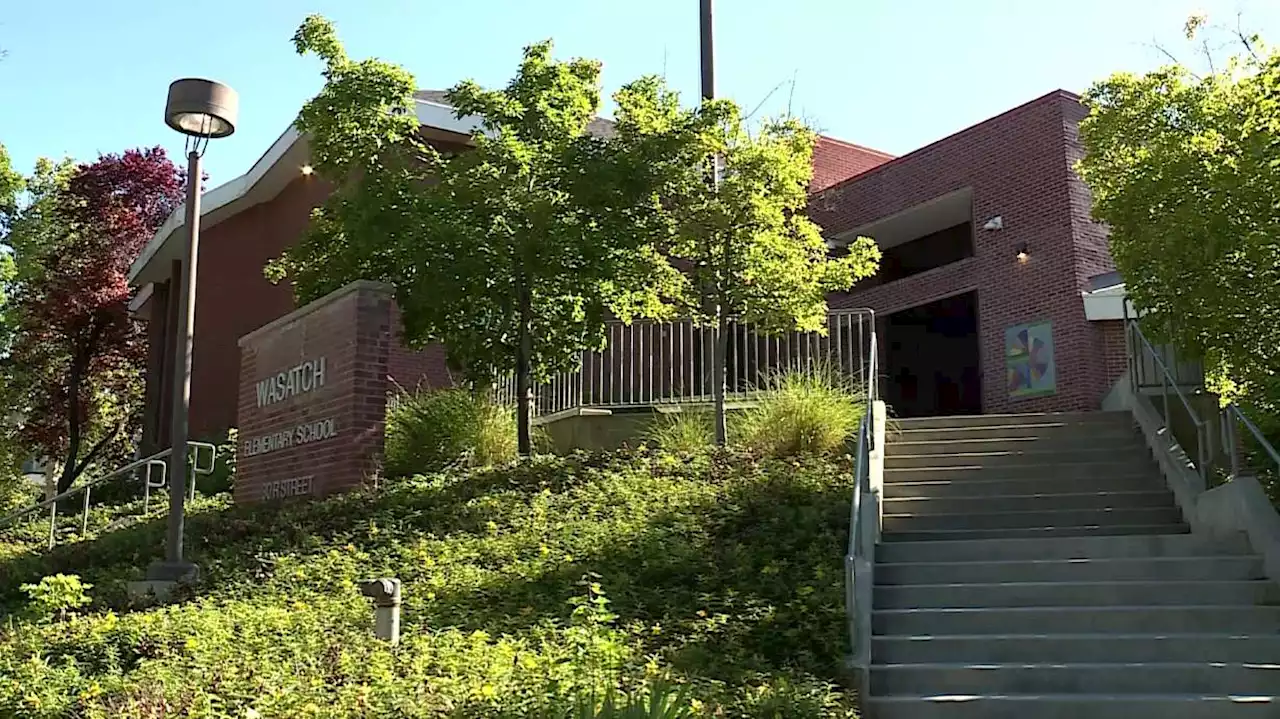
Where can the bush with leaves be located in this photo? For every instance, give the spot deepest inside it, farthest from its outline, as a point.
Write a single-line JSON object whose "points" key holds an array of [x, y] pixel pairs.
{"points": [[809, 411], [430, 430], [686, 431], [53, 597]]}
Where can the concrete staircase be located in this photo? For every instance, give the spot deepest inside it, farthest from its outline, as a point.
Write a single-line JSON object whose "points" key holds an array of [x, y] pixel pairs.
{"points": [[1035, 566]]}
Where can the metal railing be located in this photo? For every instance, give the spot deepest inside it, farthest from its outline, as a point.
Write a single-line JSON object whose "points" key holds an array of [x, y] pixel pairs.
{"points": [[1157, 370], [858, 614], [651, 363], [1145, 360], [1232, 418], [148, 464]]}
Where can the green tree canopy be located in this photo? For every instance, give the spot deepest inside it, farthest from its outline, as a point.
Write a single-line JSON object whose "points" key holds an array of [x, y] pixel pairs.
{"points": [[1185, 169], [496, 252], [751, 251], [515, 252], [749, 246]]}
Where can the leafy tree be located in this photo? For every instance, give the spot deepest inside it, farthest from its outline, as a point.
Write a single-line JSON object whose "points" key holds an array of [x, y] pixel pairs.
{"points": [[503, 253], [1185, 169], [750, 249], [11, 186], [75, 353]]}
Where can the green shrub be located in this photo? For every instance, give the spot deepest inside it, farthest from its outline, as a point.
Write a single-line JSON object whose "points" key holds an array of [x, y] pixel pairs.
{"points": [[684, 432], [16, 492], [809, 412], [54, 596], [430, 430], [660, 701]]}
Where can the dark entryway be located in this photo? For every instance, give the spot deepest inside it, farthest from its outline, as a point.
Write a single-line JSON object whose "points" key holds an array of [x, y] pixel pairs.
{"points": [[932, 365]]}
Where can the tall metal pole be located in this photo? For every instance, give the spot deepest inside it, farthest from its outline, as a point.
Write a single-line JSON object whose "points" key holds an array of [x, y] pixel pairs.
{"points": [[718, 335], [708, 52], [184, 338]]}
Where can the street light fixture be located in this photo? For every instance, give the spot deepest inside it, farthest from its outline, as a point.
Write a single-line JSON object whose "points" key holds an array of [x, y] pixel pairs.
{"points": [[202, 110]]}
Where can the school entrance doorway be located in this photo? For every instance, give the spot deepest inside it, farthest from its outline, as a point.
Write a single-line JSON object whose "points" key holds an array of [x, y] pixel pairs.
{"points": [[933, 358]]}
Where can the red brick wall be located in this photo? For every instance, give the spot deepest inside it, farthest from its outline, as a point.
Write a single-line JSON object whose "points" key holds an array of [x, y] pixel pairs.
{"points": [[1115, 352], [233, 298], [1018, 166], [836, 160], [351, 330], [411, 369]]}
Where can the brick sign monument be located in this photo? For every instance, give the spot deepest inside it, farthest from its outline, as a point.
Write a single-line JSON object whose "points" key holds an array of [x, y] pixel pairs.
{"points": [[312, 398]]}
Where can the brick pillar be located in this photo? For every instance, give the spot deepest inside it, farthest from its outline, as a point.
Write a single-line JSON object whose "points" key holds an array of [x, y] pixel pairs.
{"points": [[158, 345], [312, 402], [164, 434]]}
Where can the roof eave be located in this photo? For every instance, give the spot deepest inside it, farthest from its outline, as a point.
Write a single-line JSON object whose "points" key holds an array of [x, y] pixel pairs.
{"points": [[264, 180]]}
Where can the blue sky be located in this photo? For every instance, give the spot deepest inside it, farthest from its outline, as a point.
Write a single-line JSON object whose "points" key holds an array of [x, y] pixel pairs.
{"points": [[85, 76]]}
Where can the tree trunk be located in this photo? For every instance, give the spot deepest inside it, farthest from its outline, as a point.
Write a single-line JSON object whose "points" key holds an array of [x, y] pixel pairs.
{"points": [[524, 371], [73, 428], [51, 474], [723, 277], [718, 367]]}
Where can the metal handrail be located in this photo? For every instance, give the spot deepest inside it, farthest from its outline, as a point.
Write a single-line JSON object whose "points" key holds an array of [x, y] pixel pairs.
{"points": [[1228, 417], [854, 613], [1204, 438], [155, 460], [1233, 414]]}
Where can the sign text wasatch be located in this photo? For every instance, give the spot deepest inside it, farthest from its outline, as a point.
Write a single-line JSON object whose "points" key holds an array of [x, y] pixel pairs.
{"points": [[294, 381]]}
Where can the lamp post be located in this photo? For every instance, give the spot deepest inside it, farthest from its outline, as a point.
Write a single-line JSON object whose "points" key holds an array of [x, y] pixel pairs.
{"points": [[202, 110]]}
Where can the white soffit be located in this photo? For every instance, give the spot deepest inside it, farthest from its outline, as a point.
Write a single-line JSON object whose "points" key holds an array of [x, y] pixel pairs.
{"points": [[1107, 303], [914, 222], [279, 166]]}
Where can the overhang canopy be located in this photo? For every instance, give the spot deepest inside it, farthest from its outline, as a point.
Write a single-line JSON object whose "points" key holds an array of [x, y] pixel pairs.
{"points": [[1106, 299], [939, 213]]}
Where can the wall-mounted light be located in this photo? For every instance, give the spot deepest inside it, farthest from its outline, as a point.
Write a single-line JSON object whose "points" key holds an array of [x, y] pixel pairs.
{"points": [[307, 170], [1023, 255]]}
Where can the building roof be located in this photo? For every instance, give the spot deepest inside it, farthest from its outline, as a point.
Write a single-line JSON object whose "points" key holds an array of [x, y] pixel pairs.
{"points": [[279, 166], [835, 161]]}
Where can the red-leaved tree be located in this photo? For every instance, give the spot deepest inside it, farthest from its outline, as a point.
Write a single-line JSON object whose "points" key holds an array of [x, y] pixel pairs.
{"points": [[77, 356]]}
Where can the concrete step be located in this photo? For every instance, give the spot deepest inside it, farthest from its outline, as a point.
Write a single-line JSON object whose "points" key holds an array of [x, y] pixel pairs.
{"points": [[1110, 678], [945, 535], [1172, 569], [972, 487], [1077, 594], [1032, 519], [1106, 547], [1030, 429], [1077, 648], [1028, 502], [987, 420], [1115, 467], [1077, 706], [1051, 443], [1031, 459], [1078, 620]]}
